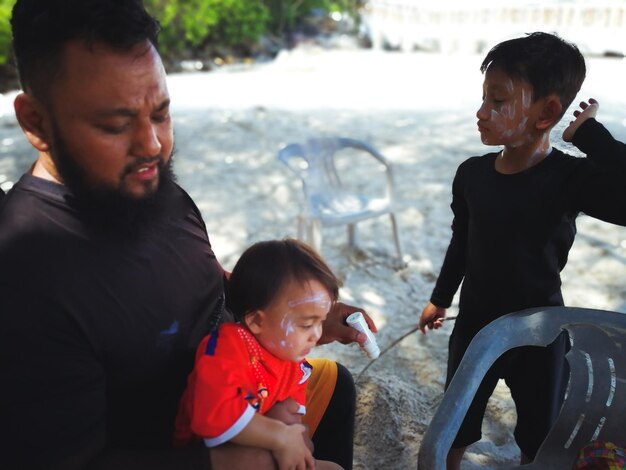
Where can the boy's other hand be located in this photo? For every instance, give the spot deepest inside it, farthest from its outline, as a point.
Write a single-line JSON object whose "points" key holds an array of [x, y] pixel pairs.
{"points": [[589, 110], [432, 317]]}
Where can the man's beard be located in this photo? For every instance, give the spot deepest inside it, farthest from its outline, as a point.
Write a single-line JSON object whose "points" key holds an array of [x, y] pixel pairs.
{"points": [[110, 210]]}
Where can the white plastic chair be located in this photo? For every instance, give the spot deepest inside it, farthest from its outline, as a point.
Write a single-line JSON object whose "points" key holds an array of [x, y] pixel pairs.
{"points": [[328, 200], [595, 404]]}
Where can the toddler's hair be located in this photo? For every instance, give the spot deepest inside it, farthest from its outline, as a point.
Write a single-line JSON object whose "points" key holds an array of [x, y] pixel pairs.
{"points": [[267, 267]]}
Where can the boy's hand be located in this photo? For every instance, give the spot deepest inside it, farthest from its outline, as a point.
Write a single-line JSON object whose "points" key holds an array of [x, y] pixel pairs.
{"points": [[336, 329], [432, 317], [589, 110], [292, 453]]}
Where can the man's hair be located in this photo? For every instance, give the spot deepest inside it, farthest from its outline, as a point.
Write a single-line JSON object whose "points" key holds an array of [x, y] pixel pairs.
{"points": [[267, 267], [545, 61], [41, 28]]}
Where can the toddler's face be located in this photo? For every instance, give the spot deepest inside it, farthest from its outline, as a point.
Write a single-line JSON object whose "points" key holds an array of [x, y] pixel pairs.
{"points": [[292, 324], [507, 114]]}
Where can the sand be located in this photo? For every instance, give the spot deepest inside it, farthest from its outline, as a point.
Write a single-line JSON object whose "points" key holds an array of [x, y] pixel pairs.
{"points": [[418, 110]]}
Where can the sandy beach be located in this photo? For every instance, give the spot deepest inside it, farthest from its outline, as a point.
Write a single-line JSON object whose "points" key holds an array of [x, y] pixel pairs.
{"points": [[418, 110]]}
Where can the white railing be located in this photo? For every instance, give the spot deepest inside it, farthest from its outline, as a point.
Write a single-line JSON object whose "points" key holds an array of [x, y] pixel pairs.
{"points": [[597, 27]]}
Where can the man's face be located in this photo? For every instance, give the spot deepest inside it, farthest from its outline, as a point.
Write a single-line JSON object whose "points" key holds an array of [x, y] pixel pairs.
{"points": [[507, 113], [110, 114]]}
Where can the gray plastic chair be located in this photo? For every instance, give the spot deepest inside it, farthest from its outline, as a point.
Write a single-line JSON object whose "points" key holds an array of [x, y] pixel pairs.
{"points": [[595, 405], [328, 200]]}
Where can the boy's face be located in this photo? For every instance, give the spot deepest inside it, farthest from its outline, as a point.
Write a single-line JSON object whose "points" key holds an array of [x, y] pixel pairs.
{"points": [[291, 325], [507, 114]]}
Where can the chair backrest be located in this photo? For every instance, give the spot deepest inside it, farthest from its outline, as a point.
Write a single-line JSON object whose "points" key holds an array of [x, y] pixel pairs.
{"points": [[595, 404], [314, 163]]}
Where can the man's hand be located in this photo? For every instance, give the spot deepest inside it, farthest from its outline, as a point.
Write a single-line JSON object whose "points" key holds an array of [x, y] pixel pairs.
{"points": [[235, 457], [589, 110], [285, 411], [336, 329], [432, 316]]}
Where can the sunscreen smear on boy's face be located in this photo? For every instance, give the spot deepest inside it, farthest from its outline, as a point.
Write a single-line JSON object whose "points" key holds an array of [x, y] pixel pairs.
{"points": [[503, 116], [293, 322]]}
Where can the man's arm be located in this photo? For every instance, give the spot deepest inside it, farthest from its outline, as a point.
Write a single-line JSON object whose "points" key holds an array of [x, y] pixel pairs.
{"points": [[53, 404], [191, 458]]}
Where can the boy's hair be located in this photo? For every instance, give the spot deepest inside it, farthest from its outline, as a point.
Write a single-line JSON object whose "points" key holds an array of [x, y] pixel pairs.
{"points": [[267, 267], [41, 28], [545, 61]]}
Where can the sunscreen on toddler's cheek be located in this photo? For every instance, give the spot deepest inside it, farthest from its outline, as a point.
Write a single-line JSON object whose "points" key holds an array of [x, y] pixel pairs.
{"points": [[316, 304], [288, 329], [287, 325], [318, 331]]}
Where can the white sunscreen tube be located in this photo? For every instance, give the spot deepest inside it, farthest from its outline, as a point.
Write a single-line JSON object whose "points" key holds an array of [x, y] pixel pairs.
{"points": [[357, 321]]}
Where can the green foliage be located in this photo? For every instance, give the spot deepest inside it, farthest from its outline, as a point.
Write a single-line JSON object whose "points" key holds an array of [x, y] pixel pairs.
{"points": [[285, 14], [196, 23], [242, 22], [193, 23], [184, 22], [5, 30]]}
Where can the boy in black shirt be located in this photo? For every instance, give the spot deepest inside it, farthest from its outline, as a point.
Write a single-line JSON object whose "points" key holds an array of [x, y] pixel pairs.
{"points": [[514, 223]]}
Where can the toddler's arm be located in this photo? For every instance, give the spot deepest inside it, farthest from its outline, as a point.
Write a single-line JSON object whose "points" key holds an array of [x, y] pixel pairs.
{"points": [[286, 442]]}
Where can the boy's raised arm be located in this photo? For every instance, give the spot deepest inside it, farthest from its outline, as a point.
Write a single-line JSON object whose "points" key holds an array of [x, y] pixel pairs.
{"points": [[589, 110], [592, 138]]}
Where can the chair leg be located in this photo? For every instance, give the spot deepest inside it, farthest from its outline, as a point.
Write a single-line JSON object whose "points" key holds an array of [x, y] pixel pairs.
{"points": [[302, 227], [396, 237], [351, 235], [315, 235]]}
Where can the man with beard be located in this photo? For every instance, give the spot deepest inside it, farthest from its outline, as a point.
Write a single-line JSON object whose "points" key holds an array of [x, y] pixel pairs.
{"points": [[108, 279]]}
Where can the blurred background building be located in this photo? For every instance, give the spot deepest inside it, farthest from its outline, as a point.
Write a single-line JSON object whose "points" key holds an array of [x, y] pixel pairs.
{"points": [[598, 27]]}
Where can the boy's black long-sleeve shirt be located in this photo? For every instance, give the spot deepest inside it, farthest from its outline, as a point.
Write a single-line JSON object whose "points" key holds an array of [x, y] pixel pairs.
{"points": [[511, 234]]}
